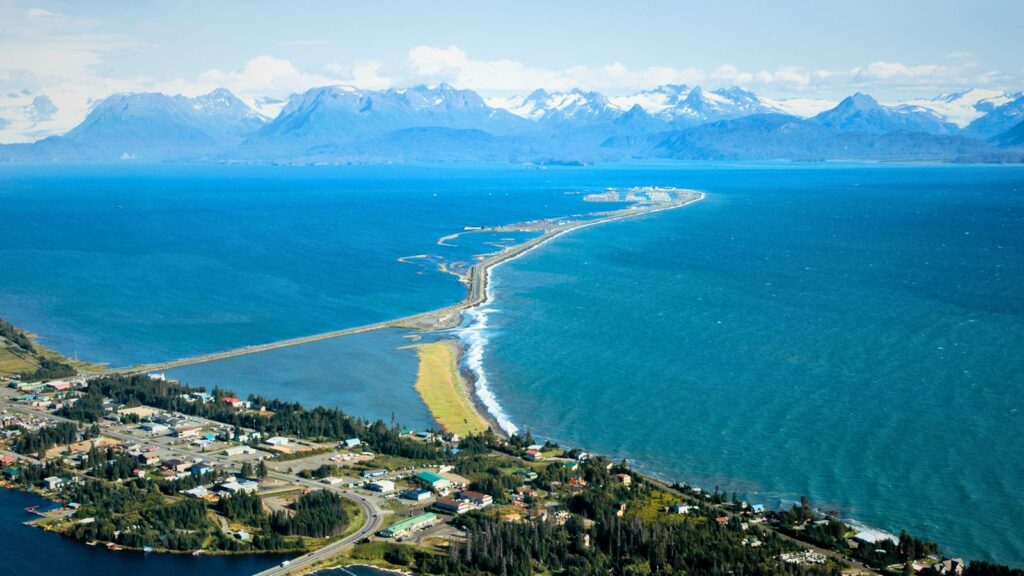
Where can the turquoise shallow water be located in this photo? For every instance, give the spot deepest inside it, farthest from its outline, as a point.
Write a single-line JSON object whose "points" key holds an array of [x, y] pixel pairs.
{"points": [[370, 375], [855, 335], [852, 333]]}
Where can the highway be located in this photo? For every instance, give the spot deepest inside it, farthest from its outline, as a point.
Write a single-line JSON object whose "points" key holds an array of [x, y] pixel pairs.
{"points": [[374, 515]]}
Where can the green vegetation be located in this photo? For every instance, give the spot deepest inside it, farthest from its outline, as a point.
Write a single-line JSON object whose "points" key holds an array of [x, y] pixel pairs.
{"points": [[319, 514], [566, 515], [286, 419], [21, 358]]}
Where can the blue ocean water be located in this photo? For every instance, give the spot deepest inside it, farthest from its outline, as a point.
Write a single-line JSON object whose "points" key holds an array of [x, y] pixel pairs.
{"points": [[853, 334], [126, 264], [28, 550], [370, 375]]}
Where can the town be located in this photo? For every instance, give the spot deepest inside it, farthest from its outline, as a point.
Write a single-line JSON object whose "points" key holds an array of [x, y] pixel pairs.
{"points": [[145, 463]]}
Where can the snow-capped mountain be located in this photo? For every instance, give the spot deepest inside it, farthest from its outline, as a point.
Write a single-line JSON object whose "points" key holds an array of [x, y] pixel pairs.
{"points": [[998, 120], [575, 106], [862, 113], [346, 110], [961, 108], [422, 123]]}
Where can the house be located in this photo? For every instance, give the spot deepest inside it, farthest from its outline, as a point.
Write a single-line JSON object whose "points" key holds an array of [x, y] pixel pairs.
{"points": [[177, 465], [757, 508], [53, 482], [620, 509], [352, 443], [197, 492], [681, 508], [382, 486], [12, 473], [526, 491], [571, 465], [455, 506], [416, 495], [405, 527], [374, 473], [722, 520], [148, 459], [949, 567], [529, 475], [624, 479], [478, 498], [433, 480], [233, 402], [577, 481], [201, 469], [534, 455]]}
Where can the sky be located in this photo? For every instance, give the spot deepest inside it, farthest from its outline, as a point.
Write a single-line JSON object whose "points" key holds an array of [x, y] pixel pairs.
{"points": [[57, 58]]}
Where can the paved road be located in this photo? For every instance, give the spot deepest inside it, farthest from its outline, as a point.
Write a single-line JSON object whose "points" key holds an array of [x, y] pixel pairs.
{"points": [[475, 279], [373, 514]]}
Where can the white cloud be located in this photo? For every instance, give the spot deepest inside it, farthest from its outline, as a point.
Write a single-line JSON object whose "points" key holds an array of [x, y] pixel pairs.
{"points": [[67, 59]]}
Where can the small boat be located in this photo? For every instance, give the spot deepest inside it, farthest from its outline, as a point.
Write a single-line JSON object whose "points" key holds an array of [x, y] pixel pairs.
{"points": [[148, 548], [197, 552]]}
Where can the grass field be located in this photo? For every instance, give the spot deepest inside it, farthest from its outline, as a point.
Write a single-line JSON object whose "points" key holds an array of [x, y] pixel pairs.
{"points": [[442, 388]]}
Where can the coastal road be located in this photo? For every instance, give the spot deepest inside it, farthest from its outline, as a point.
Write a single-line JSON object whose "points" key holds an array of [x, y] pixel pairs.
{"points": [[374, 519], [475, 279], [374, 515]]}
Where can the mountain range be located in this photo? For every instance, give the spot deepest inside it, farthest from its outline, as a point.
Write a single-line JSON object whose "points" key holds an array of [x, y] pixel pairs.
{"points": [[344, 124]]}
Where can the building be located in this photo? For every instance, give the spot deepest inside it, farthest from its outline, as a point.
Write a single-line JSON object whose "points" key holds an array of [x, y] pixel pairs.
{"points": [[187, 431], [239, 486], [680, 508], [154, 428], [238, 450], [201, 469], [234, 402], [624, 479], [407, 526], [433, 480], [382, 486], [352, 443], [478, 498], [374, 473], [277, 441], [53, 482], [197, 492], [177, 465], [757, 508], [455, 506], [534, 455], [416, 495]]}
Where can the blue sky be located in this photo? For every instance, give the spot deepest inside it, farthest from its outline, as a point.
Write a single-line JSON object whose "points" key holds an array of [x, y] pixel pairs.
{"points": [[77, 52]]}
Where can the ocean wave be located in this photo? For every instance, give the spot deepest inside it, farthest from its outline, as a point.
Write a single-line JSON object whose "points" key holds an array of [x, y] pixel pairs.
{"points": [[474, 337]]}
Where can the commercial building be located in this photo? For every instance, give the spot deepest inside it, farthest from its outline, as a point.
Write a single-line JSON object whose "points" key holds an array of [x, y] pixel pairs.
{"points": [[406, 526]]}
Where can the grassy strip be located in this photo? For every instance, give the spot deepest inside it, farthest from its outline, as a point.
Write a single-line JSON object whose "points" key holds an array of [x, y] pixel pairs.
{"points": [[443, 390]]}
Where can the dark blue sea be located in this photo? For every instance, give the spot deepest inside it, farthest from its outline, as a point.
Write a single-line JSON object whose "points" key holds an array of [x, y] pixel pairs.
{"points": [[849, 332]]}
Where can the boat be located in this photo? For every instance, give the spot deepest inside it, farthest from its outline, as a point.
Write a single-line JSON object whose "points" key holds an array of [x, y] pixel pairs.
{"points": [[148, 548]]}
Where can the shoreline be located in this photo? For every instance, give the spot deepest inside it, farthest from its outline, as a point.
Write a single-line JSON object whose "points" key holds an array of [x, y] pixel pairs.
{"points": [[476, 280], [479, 383]]}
